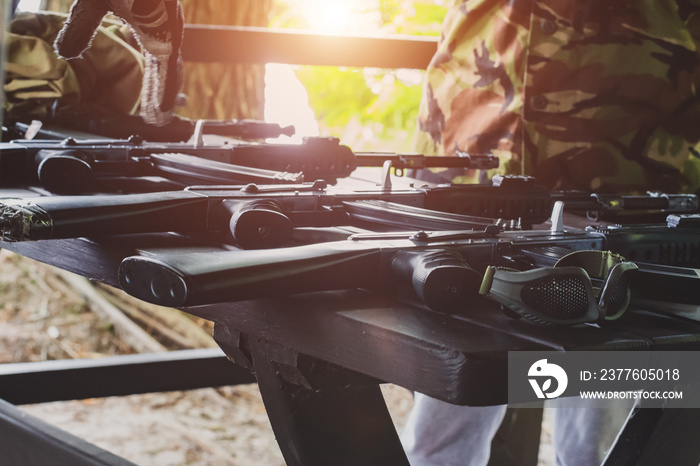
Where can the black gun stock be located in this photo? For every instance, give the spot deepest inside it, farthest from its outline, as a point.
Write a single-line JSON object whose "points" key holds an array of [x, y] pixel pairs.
{"points": [[202, 278]]}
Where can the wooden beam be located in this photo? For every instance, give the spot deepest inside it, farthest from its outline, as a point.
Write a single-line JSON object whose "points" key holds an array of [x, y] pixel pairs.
{"points": [[77, 379], [27, 440], [228, 44]]}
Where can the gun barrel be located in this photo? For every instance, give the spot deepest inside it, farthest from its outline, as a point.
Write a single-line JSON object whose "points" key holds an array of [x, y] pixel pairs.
{"points": [[418, 161]]}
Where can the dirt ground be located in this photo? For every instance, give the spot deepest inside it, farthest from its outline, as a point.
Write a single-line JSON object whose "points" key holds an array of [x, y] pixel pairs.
{"points": [[42, 317]]}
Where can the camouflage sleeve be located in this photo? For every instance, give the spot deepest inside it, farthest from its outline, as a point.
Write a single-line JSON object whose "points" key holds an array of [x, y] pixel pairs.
{"points": [[593, 95], [105, 79]]}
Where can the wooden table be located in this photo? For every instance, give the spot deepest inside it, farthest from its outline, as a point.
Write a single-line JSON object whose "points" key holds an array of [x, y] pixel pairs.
{"points": [[319, 357]]}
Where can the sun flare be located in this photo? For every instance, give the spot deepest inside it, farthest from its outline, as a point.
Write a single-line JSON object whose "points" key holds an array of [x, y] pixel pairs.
{"points": [[329, 16]]}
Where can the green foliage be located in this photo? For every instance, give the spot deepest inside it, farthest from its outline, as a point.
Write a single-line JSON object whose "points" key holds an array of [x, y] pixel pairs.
{"points": [[335, 93], [412, 16], [369, 109]]}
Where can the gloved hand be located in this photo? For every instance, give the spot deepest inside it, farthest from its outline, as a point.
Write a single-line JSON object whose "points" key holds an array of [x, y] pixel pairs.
{"points": [[158, 27]]}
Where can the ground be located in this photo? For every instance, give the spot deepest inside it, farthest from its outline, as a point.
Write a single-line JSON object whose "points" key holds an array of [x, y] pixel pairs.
{"points": [[42, 317]]}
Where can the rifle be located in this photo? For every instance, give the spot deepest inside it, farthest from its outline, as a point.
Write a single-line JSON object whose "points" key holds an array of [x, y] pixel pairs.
{"points": [[444, 269], [71, 166], [124, 126], [264, 216]]}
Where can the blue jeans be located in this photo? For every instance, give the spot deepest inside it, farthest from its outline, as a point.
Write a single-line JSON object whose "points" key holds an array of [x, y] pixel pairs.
{"points": [[441, 434]]}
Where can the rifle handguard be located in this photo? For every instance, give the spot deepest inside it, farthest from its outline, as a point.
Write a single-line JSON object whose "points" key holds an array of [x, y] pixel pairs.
{"points": [[441, 279]]}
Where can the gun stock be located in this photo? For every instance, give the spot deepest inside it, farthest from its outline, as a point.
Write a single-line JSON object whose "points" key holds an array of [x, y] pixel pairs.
{"points": [[203, 278]]}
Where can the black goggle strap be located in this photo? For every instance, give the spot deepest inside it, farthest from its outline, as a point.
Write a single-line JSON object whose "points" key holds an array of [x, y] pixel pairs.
{"points": [[583, 288]]}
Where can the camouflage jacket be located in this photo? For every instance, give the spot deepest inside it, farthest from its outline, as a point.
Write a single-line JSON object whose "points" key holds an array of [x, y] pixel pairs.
{"points": [[105, 79], [595, 95]]}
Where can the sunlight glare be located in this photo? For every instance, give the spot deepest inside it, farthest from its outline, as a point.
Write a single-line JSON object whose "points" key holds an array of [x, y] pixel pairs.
{"points": [[287, 103], [329, 16]]}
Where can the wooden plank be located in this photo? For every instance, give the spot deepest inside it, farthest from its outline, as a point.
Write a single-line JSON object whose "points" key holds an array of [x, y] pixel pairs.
{"points": [[44, 381], [128, 330], [228, 44], [27, 440], [432, 353]]}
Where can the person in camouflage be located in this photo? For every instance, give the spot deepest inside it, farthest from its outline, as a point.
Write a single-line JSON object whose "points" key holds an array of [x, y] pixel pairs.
{"points": [[592, 95], [91, 63], [595, 95], [38, 83]]}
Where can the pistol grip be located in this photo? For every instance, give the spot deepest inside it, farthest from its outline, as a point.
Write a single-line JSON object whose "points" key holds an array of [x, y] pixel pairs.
{"points": [[441, 279], [258, 224]]}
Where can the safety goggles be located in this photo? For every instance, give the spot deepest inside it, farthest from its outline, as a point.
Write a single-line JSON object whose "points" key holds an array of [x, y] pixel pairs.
{"points": [[582, 287]]}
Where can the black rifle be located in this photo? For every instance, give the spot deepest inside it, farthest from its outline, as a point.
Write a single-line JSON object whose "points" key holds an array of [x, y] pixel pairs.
{"points": [[123, 127], [71, 166], [443, 268], [264, 216]]}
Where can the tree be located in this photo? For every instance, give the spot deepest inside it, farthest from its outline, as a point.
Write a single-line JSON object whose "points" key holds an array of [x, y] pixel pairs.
{"points": [[216, 90]]}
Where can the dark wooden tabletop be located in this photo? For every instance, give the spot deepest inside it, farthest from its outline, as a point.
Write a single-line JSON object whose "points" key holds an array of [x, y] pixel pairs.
{"points": [[459, 358]]}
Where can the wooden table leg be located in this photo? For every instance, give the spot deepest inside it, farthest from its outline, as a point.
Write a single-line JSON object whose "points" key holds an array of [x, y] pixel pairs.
{"points": [[345, 424], [653, 436]]}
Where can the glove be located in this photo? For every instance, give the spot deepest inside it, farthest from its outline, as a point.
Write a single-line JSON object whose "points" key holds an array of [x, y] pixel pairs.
{"points": [[158, 28]]}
